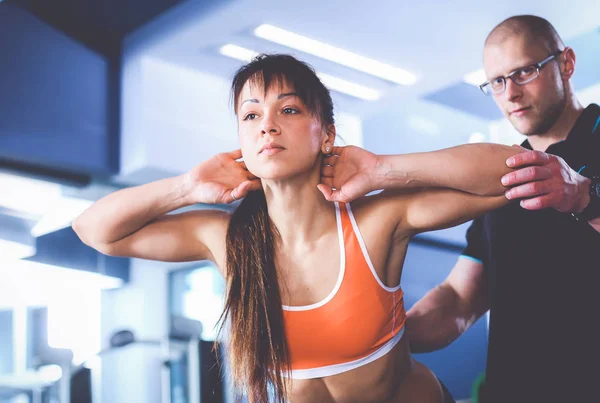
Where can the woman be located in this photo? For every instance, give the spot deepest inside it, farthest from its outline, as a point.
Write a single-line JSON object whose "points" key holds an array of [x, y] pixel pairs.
{"points": [[314, 301]]}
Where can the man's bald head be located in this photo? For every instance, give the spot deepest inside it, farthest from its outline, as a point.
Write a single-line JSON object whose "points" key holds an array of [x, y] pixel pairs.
{"points": [[537, 30]]}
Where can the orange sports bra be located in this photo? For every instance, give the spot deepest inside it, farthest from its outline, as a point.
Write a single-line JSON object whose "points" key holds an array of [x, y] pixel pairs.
{"points": [[360, 321]]}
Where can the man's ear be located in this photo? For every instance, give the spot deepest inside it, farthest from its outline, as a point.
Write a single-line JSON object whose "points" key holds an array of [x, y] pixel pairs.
{"points": [[568, 64]]}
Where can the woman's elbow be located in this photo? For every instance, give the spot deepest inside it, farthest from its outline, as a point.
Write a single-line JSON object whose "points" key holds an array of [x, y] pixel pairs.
{"points": [[78, 228], [85, 235]]}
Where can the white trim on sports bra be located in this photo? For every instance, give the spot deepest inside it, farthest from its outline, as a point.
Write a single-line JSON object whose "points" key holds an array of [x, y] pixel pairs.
{"points": [[335, 369], [365, 253], [338, 284]]}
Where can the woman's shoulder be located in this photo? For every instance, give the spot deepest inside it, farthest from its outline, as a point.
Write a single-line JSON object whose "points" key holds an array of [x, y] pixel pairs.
{"points": [[386, 208]]}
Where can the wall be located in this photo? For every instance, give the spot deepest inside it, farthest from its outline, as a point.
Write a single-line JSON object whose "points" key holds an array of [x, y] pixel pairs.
{"points": [[54, 103]]}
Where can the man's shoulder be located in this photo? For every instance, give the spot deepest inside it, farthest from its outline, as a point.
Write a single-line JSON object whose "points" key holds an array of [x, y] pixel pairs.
{"points": [[596, 128], [592, 112]]}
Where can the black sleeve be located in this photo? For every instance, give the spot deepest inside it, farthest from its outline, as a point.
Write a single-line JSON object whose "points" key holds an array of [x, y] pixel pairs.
{"points": [[593, 157], [475, 249]]}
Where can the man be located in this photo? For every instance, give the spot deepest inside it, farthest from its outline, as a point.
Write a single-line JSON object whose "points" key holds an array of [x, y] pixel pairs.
{"points": [[534, 264]]}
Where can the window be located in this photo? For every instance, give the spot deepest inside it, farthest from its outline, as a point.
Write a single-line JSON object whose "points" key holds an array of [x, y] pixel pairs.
{"points": [[198, 293]]}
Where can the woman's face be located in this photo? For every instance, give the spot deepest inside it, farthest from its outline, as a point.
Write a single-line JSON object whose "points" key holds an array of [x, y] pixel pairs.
{"points": [[279, 136]]}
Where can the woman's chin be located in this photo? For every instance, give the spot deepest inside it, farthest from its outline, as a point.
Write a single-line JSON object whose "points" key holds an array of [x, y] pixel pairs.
{"points": [[277, 174], [280, 172], [273, 176]]}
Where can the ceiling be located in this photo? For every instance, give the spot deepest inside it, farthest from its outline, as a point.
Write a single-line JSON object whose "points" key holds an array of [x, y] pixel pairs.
{"points": [[439, 41]]}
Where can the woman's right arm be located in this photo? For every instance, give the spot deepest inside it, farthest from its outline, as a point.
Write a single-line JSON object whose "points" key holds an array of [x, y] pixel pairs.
{"points": [[134, 222]]}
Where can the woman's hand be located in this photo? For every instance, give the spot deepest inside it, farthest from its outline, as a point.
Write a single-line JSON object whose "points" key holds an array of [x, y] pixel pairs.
{"points": [[349, 173], [221, 179]]}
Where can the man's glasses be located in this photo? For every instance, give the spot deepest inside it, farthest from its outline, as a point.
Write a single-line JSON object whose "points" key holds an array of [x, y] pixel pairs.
{"points": [[520, 76]]}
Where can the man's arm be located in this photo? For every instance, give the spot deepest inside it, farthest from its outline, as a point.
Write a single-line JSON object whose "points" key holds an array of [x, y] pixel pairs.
{"points": [[448, 310]]}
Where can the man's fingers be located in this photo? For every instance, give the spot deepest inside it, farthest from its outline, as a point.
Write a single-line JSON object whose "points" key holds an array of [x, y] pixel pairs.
{"points": [[528, 158], [528, 174], [538, 203], [530, 189]]}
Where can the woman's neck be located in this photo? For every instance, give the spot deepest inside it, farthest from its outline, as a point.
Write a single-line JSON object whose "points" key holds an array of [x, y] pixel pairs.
{"points": [[298, 209]]}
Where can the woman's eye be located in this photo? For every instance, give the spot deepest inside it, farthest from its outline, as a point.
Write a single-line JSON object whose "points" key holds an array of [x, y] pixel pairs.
{"points": [[290, 111], [250, 116]]}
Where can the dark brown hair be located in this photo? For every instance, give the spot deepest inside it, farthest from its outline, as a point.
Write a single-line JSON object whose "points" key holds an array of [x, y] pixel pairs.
{"points": [[257, 348]]}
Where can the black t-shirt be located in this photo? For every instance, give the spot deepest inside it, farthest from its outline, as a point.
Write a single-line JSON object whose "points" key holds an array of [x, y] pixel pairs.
{"points": [[543, 271]]}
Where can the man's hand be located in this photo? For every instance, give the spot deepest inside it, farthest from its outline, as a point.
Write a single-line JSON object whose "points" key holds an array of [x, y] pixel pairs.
{"points": [[545, 180], [348, 173]]}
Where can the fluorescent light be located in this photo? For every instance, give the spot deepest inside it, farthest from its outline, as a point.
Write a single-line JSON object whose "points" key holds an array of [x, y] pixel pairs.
{"points": [[333, 83], [475, 78], [336, 55], [348, 87], [237, 52], [14, 250]]}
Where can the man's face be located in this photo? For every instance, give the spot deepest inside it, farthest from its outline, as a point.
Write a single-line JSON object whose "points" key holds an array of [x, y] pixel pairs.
{"points": [[532, 108]]}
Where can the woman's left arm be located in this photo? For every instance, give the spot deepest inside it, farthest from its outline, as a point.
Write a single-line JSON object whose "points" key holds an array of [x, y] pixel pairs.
{"points": [[472, 168], [351, 172], [438, 208], [422, 191]]}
